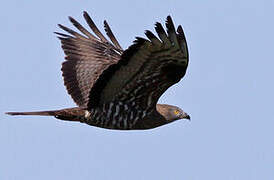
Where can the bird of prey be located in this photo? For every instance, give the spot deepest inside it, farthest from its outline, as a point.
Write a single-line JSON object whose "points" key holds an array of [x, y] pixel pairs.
{"points": [[117, 89]]}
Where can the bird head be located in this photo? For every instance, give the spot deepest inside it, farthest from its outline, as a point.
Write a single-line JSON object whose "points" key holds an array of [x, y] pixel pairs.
{"points": [[171, 113]]}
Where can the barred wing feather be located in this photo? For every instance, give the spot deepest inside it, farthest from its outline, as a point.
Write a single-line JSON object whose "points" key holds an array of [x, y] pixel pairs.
{"points": [[87, 56]]}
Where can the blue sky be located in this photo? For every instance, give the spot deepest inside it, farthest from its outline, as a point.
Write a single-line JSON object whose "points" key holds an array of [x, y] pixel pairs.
{"points": [[228, 91]]}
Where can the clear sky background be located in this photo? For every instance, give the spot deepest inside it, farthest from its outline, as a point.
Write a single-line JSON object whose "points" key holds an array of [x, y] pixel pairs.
{"points": [[228, 91]]}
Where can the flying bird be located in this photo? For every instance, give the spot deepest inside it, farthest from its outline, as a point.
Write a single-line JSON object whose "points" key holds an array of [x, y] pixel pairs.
{"points": [[116, 88]]}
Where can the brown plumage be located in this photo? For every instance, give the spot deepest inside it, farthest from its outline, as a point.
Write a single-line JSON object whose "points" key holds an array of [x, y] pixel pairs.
{"points": [[118, 89]]}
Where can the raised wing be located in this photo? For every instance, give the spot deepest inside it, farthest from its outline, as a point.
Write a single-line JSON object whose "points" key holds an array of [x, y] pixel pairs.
{"points": [[146, 69], [87, 56]]}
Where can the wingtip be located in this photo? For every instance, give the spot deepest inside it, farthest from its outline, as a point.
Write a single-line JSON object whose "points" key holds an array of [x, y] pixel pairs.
{"points": [[169, 24], [149, 34], [157, 24], [106, 26], [180, 31], [139, 40], [168, 18], [59, 34], [61, 26], [85, 13], [71, 19], [159, 28]]}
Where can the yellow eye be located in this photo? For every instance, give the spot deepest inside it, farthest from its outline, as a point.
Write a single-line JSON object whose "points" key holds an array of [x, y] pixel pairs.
{"points": [[176, 112]]}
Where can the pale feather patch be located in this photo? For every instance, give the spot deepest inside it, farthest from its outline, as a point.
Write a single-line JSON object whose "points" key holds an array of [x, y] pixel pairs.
{"points": [[87, 114]]}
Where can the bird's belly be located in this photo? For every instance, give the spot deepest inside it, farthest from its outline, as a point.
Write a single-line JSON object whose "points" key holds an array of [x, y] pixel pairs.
{"points": [[115, 115]]}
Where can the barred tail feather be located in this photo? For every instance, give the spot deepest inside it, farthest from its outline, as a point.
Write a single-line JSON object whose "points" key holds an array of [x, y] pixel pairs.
{"points": [[69, 114], [35, 113]]}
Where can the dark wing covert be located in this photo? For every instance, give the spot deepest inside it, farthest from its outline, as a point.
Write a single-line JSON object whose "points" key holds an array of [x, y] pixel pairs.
{"points": [[146, 69]]}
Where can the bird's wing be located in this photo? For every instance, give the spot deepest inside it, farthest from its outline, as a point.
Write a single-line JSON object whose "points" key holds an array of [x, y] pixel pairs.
{"points": [[146, 69], [87, 56]]}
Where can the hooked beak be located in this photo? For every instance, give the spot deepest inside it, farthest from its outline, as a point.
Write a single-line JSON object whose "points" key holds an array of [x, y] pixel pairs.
{"points": [[188, 117], [185, 116]]}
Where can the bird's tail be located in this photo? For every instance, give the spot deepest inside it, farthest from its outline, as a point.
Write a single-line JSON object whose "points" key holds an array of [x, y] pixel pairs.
{"points": [[35, 113], [69, 114]]}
